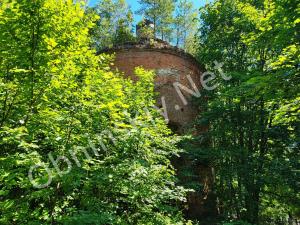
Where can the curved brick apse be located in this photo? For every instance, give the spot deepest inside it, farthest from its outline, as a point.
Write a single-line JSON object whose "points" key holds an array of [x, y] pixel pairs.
{"points": [[173, 68], [177, 76]]}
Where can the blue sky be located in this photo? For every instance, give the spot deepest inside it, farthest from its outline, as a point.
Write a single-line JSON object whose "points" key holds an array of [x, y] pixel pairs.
{"points": [[135, 5]]}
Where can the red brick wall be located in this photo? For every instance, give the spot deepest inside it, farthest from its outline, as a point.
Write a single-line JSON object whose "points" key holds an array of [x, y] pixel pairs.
{"points": [[170, 67]]}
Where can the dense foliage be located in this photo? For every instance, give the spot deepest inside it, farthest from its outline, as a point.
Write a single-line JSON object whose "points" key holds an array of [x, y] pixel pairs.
{"points": [[81, 144], [253, 119], [89, 132]]}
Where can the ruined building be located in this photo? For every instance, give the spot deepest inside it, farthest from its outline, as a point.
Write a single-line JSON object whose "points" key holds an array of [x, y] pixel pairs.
{"points": [[177, 80]]}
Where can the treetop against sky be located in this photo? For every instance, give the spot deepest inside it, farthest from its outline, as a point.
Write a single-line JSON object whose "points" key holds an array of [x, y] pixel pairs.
{"points": [[135, 6]]}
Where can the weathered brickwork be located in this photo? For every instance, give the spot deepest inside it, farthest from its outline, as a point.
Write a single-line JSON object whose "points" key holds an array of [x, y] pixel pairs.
{"points": [[173, 66], [170, 67]]}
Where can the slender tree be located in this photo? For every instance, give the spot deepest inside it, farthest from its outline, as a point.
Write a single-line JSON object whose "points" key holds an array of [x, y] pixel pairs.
{"points": [[185, 24], [161, 13], [114, 25]]}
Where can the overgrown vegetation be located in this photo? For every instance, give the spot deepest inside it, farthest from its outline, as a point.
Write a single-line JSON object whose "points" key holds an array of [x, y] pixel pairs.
{"points": [[97, 151], [57, 96], [253, 119], [114, 24], [173, 21]]}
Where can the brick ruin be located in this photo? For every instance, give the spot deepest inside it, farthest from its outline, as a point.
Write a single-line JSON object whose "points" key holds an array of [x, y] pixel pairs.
{"points": [[172, 65]]}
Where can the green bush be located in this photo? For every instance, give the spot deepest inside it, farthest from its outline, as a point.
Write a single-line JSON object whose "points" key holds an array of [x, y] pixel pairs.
{"points": [[58, 99]]}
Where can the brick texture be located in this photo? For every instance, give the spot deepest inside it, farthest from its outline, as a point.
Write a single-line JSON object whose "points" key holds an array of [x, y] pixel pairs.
{"points": [[170, 67]]}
